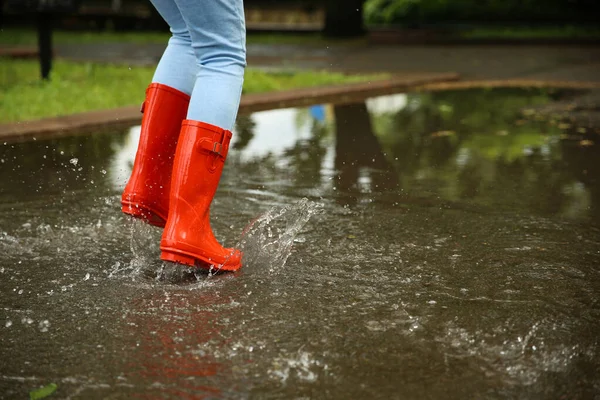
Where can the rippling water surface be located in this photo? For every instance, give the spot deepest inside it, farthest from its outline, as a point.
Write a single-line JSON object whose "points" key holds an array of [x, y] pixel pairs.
{"points": [[433, 245]]}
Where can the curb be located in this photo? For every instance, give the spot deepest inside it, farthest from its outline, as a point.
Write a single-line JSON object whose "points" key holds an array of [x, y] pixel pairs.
{"points": [[130, 115], [18, 52]]}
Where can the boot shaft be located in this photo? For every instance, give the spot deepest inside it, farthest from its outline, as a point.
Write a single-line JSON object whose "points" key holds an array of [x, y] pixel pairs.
{"points": [[164, 108], [199, 162], [147, 192]]}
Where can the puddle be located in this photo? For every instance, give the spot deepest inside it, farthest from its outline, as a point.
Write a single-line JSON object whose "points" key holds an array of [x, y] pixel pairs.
{"points": [[422, 245]]}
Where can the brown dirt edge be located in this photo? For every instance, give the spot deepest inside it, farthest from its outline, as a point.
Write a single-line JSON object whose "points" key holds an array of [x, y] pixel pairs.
{"points": [[18, 52], [512, 83], [127, 116]]}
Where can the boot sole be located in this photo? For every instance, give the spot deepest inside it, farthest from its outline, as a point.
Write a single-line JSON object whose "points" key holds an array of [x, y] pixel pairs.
{"points": [[145, 214], [177, 256]]}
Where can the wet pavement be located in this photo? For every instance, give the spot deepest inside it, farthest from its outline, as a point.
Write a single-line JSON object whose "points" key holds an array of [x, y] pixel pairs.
{"points": [[439, 245], [543, 62]]}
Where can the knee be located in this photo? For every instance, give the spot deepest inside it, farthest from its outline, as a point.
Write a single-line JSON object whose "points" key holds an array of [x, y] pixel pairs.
{"points": [[224, 55], [180, 37]]}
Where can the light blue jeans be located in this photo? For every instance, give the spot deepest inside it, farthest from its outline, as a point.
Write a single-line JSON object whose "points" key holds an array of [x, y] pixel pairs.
{"points": [[205, 57]]}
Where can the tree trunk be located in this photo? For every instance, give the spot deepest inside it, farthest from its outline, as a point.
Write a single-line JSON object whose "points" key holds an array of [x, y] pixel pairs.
{"points": [[44, 29], [343, 18]]}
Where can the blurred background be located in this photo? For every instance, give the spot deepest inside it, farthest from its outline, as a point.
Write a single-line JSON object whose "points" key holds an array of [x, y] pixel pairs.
{"points": [[466, 18]]}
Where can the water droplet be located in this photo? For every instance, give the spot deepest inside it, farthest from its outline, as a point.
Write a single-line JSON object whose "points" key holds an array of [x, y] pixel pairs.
{"points": [[74, 161], [8, 323], [87, 276], [44, 325]]}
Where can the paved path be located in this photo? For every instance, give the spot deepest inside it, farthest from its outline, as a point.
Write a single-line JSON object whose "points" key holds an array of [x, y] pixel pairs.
{"points": [[542, 62]]}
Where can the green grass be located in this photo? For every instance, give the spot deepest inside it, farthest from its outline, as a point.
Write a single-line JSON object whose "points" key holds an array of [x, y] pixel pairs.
{"points": [[315, 39], [559, 32], [79, 87], [27, 37]]}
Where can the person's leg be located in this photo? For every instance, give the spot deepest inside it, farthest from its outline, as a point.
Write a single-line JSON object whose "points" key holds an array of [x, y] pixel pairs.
{"points": [[177, 67], [218, 35], [147, 193]]}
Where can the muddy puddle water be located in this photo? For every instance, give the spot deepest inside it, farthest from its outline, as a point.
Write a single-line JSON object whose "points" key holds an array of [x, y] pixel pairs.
{"points": [[430, 245]]}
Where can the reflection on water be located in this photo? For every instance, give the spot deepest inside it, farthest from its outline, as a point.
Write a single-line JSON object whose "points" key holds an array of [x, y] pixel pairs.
{"points": [[426, 245]]}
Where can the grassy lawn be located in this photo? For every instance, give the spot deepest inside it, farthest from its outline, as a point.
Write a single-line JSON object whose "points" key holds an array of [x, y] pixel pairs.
{"points": [[78, 87], [515, 32], [27, 37]]}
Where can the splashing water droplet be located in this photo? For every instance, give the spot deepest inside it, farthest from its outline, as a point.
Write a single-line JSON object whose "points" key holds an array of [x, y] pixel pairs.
{"points": [[44, 325], [267, 242]]}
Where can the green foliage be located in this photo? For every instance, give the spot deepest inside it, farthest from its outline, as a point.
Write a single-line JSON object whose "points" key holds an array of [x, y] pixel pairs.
{"points": [[78, 87], [389, 11]]}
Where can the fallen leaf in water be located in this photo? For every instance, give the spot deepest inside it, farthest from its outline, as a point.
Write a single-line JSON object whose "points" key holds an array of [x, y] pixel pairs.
{"points": [[351, 237], [528, 112], [581, 130], [564, 126], [586, 143], [44, 392], [442, 133]]}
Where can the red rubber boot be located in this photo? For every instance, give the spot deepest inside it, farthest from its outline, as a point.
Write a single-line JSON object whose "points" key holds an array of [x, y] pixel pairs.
{"points": [[199, 160], [146, 195]]}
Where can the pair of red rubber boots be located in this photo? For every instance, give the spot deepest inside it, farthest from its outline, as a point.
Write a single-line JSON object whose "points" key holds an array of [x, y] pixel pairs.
{"points": [[175, 176]]}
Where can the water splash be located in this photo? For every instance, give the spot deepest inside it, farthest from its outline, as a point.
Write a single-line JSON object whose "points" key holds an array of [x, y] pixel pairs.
{"points": [[146, 264], [266, 244], [300, 367], [267, 241], [144, 245]]}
